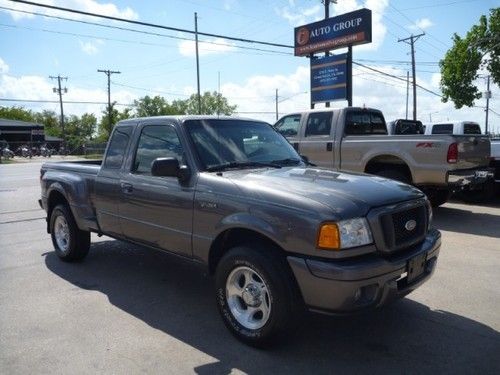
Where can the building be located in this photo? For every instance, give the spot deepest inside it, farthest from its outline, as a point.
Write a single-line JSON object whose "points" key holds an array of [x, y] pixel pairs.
{"points": [[16, 132]]}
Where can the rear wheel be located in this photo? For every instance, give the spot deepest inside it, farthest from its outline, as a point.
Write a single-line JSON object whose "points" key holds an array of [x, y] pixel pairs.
{"points": [[256, 295], [70, 243], [394, 174], [437, 197]]}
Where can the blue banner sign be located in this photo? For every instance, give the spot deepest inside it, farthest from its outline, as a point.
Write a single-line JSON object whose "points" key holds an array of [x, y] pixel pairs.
{"points": [[329, 78], [348, 29]]}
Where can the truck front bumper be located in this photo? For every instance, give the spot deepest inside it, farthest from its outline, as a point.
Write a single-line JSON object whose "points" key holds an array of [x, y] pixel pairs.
{"points": [[369, 281], [469, 177]]}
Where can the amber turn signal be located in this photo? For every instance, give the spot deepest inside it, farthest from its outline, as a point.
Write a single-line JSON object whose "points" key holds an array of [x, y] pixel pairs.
{"points": [[329, 237]]}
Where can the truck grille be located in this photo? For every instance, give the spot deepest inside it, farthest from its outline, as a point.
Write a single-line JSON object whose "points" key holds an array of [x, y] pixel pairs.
{"points": [[403, 228]]}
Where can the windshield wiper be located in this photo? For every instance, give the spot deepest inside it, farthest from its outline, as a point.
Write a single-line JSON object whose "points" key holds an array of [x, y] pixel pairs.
{"points": [[287, 161], [241, 164]]}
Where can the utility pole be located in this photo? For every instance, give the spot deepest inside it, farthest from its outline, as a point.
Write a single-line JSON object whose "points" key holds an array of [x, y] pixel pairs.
{"points": [[488, 96], [60, 91], [407, 91], [411, 41], [326, 3], [197, 60], [108, 73], [276, 104]]}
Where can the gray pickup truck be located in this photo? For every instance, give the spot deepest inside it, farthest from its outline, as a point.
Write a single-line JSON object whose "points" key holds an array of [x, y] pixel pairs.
{"points": [[356, 139], [234, 196]]}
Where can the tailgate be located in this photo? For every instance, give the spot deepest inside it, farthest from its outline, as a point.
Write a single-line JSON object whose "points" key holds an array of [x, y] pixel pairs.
{"points": [[473, 151]]}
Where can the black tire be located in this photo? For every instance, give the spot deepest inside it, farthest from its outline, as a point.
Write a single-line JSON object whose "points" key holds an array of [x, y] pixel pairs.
{"points": [[437, 197], [394, 174], [77, 244], [282, 294]]}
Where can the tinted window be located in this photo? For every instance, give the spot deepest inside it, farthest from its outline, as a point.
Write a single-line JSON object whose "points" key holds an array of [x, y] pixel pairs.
{"points": [[442, 129], [362, 123], [409, 127], [319, 123], [289, 125], [472, 128], [117, 147], [156, 141]]}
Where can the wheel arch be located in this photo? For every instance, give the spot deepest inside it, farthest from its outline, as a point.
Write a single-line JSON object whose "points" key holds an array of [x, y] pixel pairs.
{"points": [[387, 161], [236, 236]]}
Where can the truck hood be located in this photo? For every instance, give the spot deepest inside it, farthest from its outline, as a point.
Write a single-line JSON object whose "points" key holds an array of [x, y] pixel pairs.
{"points": [[344, 193]]}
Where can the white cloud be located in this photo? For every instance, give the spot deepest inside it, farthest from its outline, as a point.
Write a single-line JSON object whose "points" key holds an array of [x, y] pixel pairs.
{"points": [[91, 6], [215, 46], [91, 47], [421, 24], [299, 16], [4, 68]]}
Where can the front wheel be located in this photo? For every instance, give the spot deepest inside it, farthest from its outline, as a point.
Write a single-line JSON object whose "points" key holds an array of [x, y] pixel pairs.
{"points": [[70, 243], [256, 295]]}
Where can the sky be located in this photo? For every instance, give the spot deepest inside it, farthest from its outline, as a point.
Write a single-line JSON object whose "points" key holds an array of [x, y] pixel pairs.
{"points": [[34, 47]]}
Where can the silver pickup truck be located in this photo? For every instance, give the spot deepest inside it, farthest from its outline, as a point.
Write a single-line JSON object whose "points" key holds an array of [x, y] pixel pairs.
{"points": [[355, 139], [233, 196]]}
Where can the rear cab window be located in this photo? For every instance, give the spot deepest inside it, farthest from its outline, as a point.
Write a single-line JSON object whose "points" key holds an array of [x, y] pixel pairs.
{"points": [[472, 128], [442, 129], [365, 123], [117, 147]]}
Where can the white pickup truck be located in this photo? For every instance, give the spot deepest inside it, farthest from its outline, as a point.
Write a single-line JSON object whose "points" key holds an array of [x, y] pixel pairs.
{"points": [[356, 139]]}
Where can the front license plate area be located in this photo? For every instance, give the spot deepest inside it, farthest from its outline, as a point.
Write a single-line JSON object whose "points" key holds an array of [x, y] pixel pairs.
{"points": [[416, 267]]}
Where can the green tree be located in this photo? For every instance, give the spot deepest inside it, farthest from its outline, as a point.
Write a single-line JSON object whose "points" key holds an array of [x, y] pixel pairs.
{"points": [[50, 120], [212, 103], [154, 106], [105, 128], [16, 113], [479, 49]]}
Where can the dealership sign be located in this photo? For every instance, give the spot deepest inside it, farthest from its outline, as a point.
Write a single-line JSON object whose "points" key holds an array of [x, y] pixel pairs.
{"points": [[348, 29], [329, 78]]}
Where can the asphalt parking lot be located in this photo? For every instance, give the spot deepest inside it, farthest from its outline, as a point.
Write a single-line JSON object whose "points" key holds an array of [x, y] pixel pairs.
{"points": [[127, 309]]}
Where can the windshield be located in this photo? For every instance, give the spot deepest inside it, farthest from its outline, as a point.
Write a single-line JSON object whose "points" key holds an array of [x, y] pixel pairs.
{"points": [[239, 143]]}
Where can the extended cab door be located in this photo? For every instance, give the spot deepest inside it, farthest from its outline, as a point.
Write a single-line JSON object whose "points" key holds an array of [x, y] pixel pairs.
{"points": [[317, 138], [157, 211], [107, 183]]}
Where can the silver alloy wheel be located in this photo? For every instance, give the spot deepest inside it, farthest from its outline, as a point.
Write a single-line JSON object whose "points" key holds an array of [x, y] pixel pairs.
{"points": [[248, 297], [61, 233]]}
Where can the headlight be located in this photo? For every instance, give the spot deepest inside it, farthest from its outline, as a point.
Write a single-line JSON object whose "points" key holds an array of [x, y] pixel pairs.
{"points": [[344, 234]]}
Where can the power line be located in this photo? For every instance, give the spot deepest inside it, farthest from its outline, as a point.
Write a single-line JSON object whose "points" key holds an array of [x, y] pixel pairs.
{"points": [[439, 5], [265, 51], [395, 77], [140, 23], [57, 101]]}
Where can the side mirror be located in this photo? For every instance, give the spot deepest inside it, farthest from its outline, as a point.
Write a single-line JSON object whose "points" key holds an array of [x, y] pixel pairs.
{"points": [[165, 167], [169, 167]]}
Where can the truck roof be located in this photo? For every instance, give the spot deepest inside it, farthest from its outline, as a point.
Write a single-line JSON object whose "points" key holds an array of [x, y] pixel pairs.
{"points": [[182, 118]]}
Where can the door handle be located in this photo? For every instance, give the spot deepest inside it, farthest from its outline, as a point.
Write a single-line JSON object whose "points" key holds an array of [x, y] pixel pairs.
{"points": [[329, 146], [126, 187], [296, 146]]}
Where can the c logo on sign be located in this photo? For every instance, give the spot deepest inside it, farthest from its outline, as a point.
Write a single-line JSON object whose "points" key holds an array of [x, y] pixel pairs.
{"points": [[302, 36]]}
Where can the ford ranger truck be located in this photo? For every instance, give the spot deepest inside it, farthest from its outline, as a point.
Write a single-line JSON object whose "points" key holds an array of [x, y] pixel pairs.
{"points": [[355, 139], [232, 195]]}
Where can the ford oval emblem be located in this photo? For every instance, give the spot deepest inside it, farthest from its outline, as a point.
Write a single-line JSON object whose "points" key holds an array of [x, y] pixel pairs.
{"points": [[410, 225]]}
